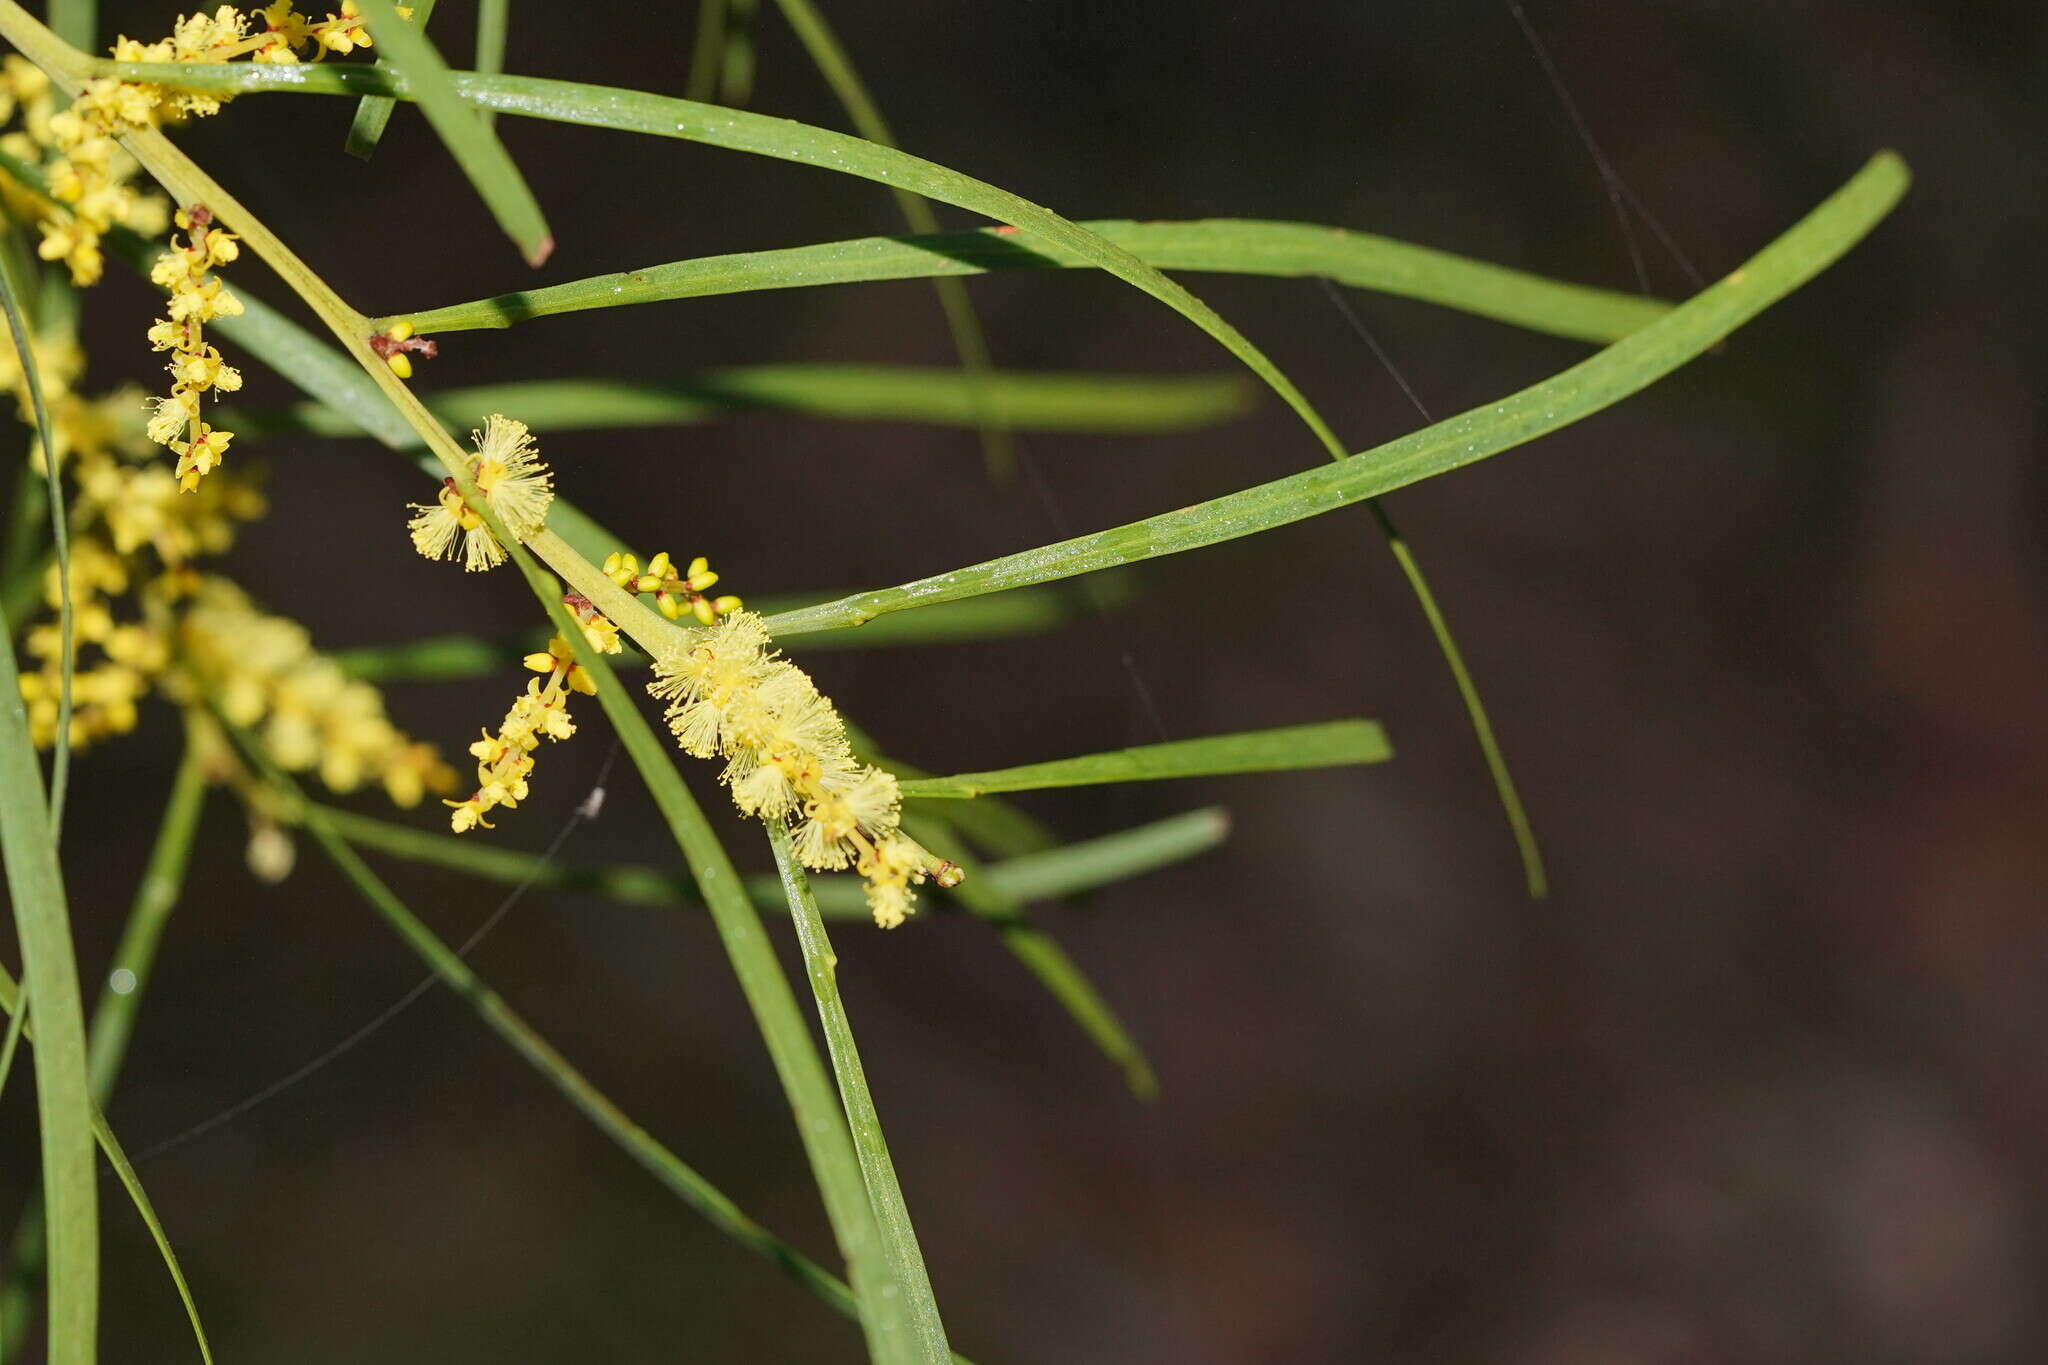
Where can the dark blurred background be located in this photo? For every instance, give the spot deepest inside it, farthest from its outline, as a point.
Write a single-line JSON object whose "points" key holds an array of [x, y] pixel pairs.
{"points": [[1762, 1081]]}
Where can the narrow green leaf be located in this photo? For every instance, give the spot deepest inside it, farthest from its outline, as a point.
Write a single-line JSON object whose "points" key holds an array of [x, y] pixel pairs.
{"points": [[1041, 955], [914, 1331], [112, 1023], [1624, 368], [124, 1171], [15, 1020], [493, 21], [60, 539], [473, 143], [374, 112], [675, 1174], [997, 827], [1234, 246], [1091, 863], [35, 885], [1062, 871], [14, 1305], [1044, 401], [156, 896], [1331, 744]]}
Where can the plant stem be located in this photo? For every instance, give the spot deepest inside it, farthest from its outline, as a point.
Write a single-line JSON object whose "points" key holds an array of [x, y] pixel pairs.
{"points": [[113, 1018], [914, 1311]]}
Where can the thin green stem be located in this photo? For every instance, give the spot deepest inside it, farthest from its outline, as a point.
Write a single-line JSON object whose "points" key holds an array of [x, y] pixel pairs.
{"points": [[156, 896], [14, 1023], [35, 885], [1534, 878], [60, 538], [912, 1313], [17, 1303], [113, 1018]]}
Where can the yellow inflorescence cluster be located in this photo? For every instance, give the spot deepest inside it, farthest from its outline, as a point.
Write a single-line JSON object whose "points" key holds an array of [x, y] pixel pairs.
{"points": [[731, 695], [86, 175], [145, 617], [264, 674], [504, 760], [509, 475], [196, 366]]}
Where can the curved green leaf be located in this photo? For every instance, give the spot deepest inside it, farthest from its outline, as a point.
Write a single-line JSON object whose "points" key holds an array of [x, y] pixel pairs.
{"points": [[373, 114], [14, 1322], [1090, 863], [1043, 401], [60, 537], [35, 886], [406, 51], [1234, 246], [1629, 365], [1332, 744], [913, 1330]]}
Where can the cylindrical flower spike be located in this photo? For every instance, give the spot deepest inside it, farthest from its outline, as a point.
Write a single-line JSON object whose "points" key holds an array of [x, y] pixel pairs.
{"points": [[788, 759]]}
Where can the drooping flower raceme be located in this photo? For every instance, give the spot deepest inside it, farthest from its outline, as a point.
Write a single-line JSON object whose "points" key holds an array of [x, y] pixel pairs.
{"points": [[196, 366]]}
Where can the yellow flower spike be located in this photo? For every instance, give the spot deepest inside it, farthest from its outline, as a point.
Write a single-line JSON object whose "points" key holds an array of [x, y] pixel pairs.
{"points": [[542, 662], [702, 609], [700, 576], [731, 695], [659, 566], [668, 606]]}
